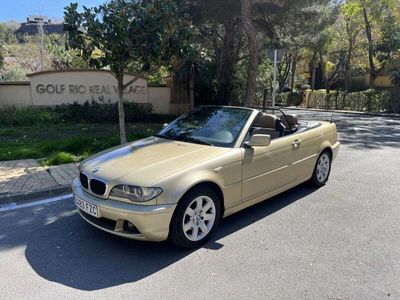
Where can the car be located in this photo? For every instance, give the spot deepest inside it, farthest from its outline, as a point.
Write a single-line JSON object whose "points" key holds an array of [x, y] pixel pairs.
{"points": [[207, 164]]}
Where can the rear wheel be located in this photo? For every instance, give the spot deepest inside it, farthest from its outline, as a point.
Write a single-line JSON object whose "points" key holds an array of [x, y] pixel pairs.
{"points": [[322, 169], [195, 219]]}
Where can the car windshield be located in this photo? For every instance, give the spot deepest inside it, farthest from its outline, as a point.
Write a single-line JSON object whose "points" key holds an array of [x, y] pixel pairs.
{"points": [[208, 125]]}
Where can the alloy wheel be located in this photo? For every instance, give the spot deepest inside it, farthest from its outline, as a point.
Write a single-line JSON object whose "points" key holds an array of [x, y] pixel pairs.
{"points": [[323, 167], [199, 218]]}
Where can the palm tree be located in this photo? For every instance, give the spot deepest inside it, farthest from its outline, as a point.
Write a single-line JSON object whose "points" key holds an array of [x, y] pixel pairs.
{"points": [[193, 69]]}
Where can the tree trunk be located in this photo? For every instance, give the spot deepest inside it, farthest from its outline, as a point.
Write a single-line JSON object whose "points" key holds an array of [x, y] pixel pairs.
{"points": [[324, 77], [372, 69], [347, 67], [284, 67], [121, 113], [191, 92], [314, 71], [313, 75], [347, 70], [294, 65], [226, 61], [250, 32]]}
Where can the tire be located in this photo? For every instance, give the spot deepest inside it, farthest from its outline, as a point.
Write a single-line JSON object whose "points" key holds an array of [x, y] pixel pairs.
{"points": [[322, 169], [195, 219]]}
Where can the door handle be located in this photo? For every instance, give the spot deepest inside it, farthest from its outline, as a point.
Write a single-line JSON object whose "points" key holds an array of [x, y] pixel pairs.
{"points": [[296, 143]]}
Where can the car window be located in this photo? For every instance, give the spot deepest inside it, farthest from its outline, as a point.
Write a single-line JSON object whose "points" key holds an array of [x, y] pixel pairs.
{"points": [[214, 125]]}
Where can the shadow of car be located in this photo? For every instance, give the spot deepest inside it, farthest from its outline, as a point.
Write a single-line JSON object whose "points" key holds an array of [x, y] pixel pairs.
{"points": [[69, 252]]}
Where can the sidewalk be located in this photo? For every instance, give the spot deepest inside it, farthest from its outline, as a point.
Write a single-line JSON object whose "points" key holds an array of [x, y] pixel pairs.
{"points": [[25, 179]]}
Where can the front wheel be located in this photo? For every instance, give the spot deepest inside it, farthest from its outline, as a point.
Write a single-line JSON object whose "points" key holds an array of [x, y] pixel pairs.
{"points": [[322, 169], [195, 219]]}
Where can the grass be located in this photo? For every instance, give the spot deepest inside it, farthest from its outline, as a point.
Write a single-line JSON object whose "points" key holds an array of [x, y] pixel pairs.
{"points": [[60, 158], [64, 143]]}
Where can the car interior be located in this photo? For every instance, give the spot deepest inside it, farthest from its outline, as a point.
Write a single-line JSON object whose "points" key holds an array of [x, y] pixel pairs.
{"points": [[274, 125]]}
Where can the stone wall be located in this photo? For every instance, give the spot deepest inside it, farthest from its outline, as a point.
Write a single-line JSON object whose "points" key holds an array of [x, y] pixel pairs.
{"points": [[50, 88]]}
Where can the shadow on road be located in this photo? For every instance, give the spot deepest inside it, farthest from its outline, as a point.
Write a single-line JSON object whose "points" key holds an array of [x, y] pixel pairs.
{"points": [[369, 133], [363, 132], [67, 250]]}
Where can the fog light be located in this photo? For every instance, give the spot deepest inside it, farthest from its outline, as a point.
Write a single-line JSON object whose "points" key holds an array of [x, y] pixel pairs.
{"points": [[128, 226]]}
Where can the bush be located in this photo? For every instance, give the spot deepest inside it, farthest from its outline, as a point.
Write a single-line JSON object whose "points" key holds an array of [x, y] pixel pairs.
{"points": [[287, 99], [369, 100], [104, 112], [394, 102], [15, 73], [27, 116], [59, 158]]}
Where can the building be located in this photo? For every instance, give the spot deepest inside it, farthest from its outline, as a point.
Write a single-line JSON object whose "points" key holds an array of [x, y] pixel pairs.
{"points": [[38, 20], [33, 24]]}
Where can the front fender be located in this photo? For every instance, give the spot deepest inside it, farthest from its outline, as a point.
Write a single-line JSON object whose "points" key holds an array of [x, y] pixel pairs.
{"points": [[225, 172]]}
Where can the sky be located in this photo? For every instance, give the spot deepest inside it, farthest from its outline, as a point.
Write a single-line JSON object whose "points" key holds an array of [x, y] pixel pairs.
{"points": [[54, 9]]}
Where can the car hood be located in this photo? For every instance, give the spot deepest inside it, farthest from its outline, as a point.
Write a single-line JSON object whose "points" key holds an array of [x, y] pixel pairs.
{"points": [[147, 161]]}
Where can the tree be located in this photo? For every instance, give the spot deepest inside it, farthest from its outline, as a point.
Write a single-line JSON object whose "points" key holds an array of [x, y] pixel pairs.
{"points": [[2, 53], [300, 29], [221, 33], [192, 68], [388, 45], [250, 32], [146, 32], [350, 26], [7, 32], [61, 57], [377, 14]]}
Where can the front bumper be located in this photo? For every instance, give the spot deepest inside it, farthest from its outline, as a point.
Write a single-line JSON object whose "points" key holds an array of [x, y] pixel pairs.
{"points": [[152, 221], [335, 150]]}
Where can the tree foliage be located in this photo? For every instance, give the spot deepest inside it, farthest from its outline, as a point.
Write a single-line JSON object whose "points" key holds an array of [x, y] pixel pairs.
{"points": [[148, 33]]}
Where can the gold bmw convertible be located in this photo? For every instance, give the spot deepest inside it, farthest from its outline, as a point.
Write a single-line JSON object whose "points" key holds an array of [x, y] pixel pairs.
{"points": [[209, 163]]}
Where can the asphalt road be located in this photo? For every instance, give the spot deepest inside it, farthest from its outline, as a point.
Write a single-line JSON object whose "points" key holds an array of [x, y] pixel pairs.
{"points": [[341, 241]]}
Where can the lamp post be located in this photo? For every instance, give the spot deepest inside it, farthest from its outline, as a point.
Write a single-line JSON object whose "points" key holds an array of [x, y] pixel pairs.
{"points": [[274, 78]]}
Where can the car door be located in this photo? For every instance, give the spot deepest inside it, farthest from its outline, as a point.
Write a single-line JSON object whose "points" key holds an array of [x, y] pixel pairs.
{"points": [[309, 147], [265, 169]]}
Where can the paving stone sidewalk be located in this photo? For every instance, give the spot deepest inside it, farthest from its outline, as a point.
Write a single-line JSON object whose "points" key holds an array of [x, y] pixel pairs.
{"points": [[24, 179]]}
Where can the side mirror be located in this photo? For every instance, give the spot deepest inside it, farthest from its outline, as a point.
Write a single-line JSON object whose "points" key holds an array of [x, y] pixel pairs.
{"points": [[259, 140], [165, 125]]}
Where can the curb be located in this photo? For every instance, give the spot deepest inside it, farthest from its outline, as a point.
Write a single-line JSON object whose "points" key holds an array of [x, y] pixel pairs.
{"points": [[391, 115], [20, 197]]}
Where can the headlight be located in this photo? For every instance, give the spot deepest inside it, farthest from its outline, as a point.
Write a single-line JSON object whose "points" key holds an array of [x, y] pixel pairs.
{"points": [[135, 193]]}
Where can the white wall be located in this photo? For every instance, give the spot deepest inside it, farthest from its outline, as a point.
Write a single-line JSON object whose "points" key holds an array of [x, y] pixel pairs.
{"points": [[15, 94], [61, 87], [160, 98], [50, 88]]}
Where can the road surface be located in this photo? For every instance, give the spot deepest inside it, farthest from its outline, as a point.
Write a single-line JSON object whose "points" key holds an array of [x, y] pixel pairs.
{"points": [[341, 241]]}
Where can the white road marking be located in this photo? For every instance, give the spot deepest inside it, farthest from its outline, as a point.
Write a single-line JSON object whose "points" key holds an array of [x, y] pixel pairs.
{"points": [[14, 206]]}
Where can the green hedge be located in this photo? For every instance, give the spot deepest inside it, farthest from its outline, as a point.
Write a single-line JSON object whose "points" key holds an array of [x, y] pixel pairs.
{"points": [[93, 112], [287, 99], [368, 100]]}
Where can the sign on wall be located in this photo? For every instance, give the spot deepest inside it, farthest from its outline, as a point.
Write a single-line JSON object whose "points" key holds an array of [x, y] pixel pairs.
{"points": [[58, 87]]}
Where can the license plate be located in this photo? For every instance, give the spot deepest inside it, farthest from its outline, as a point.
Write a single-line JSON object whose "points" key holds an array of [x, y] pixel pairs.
{"points": [[87, 207]]}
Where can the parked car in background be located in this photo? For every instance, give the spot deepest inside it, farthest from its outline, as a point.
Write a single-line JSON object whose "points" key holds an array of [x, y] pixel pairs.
{"points": [[209, 163]]}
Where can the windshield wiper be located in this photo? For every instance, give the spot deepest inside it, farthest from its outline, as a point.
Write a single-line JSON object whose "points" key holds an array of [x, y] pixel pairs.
{"points": [[162, 136], [192, 139], [184, 138]]}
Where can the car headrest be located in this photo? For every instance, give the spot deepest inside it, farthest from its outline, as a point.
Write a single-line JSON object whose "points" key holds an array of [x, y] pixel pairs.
{"points": [[265, 121], [291, 119]]}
